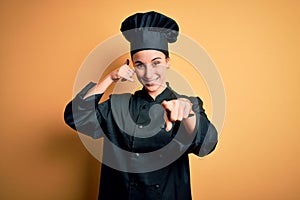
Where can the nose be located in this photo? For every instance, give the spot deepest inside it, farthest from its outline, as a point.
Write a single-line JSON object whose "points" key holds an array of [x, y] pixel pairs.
{"points": [[149, 71]]}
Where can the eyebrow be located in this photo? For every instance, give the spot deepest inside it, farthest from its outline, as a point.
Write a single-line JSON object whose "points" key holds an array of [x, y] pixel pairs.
{"points": [[156, 58]]}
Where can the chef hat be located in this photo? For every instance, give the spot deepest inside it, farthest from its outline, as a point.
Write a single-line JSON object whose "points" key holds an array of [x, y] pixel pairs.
{"points": [[150, 30]]}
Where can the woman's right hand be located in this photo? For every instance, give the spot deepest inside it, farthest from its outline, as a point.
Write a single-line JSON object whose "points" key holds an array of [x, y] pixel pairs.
{"points": [[124, 73]]}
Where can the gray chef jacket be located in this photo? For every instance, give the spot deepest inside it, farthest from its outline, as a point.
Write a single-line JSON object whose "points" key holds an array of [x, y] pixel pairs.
{"points": [[141, 160]]}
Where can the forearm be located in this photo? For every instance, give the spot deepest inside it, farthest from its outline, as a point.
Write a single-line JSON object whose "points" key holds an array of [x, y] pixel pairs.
{"points": [[204, 133], [190, 123], [124, 72], [81, 114], [101, 87]]}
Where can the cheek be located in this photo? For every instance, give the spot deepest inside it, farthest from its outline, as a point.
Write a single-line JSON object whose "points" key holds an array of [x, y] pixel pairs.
{"points": [[138, 74], [162, 72]]}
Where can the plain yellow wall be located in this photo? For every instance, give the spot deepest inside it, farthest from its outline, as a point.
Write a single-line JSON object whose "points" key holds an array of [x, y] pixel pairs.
{"points": [[255, 45]]}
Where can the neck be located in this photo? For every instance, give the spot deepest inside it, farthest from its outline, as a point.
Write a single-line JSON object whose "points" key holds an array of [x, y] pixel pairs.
{"points": [[157, 92]]}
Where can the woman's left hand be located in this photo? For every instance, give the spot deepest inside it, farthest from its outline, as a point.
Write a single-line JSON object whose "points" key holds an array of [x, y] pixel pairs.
{"points": [[176, 110]]}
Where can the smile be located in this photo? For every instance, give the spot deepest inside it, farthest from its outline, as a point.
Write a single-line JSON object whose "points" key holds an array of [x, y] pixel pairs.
{"points": [[150, 82]]}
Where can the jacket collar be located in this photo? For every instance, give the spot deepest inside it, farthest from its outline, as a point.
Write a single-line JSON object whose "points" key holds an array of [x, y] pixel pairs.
{"points": [[166, 94]]}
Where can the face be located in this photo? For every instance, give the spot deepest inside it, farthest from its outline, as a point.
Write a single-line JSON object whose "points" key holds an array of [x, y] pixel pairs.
{"points": [[151, 70]]}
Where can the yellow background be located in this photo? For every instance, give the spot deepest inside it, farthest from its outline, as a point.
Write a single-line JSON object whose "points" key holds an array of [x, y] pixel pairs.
{"points": [[255, 45]]}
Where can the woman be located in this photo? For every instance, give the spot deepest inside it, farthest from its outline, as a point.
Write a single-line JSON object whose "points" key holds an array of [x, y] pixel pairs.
{"points": [[149, 134]]}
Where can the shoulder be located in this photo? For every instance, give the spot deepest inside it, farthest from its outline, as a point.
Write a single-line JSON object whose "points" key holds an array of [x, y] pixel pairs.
{"points": [[116, 99], [120, 96]]}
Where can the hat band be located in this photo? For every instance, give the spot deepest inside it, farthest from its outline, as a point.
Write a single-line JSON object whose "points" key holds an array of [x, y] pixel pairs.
{"points": [[145, 40]]}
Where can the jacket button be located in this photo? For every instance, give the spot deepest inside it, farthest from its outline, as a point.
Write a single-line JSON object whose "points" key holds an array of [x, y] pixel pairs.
{"points": [[137, 154], [157, 186], [140, 126]]}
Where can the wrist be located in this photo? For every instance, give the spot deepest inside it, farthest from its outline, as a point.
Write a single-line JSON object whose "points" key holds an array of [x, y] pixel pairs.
{"points": [[190, 105], [191, 114]]}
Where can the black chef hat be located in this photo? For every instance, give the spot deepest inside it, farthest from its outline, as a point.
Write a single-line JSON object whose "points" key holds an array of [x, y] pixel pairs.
{"points": [[150, 30]]}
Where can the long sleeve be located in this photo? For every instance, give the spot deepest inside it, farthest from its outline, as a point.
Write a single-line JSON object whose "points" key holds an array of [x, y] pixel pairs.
{"points": [[206, 136], [83, 115]]}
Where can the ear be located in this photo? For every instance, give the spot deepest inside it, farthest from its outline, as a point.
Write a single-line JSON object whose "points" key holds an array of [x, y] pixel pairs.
{"points": [[168, 62]]}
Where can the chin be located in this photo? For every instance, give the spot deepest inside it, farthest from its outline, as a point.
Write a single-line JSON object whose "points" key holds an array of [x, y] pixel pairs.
{"points": [[153, 88]]}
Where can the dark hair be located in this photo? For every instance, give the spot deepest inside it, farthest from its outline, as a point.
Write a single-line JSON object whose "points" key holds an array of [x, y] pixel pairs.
{"points": [[161, 50]]}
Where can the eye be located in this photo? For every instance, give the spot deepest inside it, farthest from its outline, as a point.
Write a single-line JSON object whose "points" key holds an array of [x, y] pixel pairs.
{"points": [[140, 65], [156, 63]]}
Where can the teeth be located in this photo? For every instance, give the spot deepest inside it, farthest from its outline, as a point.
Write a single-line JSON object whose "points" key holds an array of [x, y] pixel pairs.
{"points": [[148, 81]]}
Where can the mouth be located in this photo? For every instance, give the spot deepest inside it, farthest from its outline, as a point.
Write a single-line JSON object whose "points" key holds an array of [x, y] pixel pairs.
{"points": [[150, 82]]}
